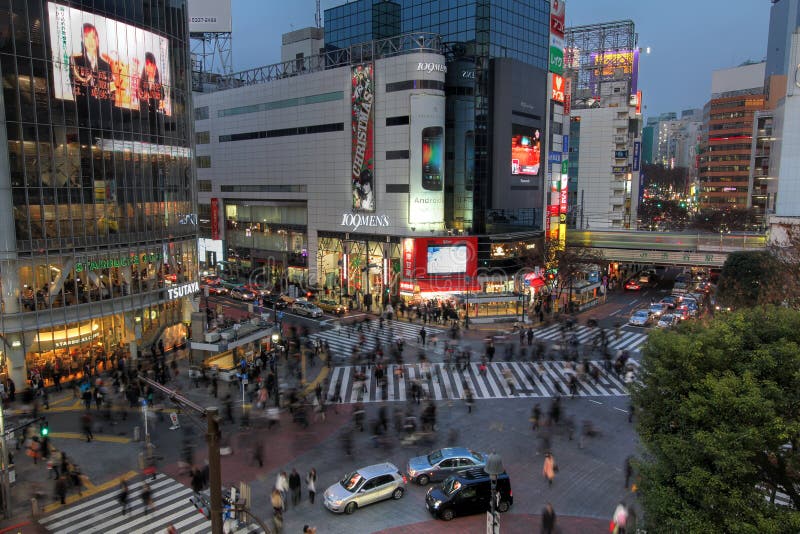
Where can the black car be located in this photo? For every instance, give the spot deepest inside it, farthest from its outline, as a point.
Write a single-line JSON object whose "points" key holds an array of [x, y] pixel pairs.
{"points": [[466, 493], [275, 301]]}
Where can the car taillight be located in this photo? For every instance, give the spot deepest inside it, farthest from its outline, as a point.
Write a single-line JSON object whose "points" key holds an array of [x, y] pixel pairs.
{"points": [[405, 479], [510, 493]]}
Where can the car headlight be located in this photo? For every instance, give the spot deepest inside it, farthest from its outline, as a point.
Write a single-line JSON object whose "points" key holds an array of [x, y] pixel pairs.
{"points": [[336, 503], [411, 472], [437, 504]]}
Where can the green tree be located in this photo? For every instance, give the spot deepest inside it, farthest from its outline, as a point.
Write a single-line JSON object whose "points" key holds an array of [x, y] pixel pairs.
{"points": [[750, 278], [719, 420]]}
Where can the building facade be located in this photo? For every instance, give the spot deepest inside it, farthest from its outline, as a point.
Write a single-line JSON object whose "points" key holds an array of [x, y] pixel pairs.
{"points": [[723, 177], [99, 217], [278, 195]]}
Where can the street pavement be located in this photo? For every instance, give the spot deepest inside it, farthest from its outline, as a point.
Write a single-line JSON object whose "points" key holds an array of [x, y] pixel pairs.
{"points": [[589, 484]]}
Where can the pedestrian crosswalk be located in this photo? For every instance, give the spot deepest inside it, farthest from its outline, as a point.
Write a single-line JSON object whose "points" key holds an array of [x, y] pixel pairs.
{"points": [[627, 340], [342, 339], [442, 382], [102, 513]]}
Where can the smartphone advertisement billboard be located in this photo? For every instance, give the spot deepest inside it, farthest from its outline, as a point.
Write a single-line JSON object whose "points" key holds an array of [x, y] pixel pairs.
{"points": [[426, 159], [361, 101], [102, 63], [526, 151]]}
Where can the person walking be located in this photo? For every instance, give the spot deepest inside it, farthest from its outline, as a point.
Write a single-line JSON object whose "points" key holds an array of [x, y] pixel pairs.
{"points": [[311, 482], [628, 471], [469, 398], [86, 425], [536, 416], [549, 468], [277, 501], [282, 485], [548, 519], [294, 486], [422, 335], [147, 497], [61, 488], [123, 496], [620, 518]]}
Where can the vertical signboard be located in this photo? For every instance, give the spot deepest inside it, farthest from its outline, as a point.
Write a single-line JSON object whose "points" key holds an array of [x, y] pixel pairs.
{"points": [[215, 219], [637, 154], [557, 13], [426, 159], [562, 204], [557, 86], [363, 163], [567, 95], [556, 54], [408, 258]]}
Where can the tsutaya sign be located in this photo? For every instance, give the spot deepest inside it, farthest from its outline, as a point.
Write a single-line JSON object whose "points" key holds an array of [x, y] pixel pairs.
{"points": [[356, 220], [181, 291]]}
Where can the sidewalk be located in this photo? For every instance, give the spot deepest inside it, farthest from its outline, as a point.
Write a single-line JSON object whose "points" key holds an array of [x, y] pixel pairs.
{"points": [[509, 523], [285, 443]]}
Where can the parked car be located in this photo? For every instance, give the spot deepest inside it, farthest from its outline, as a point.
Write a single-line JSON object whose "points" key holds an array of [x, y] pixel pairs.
{"points": [[442, 463], [365, 486], [667, 320], [640, 318], [303, 307], [632, 285], [331, 306], [658, 309], [242, 293], [469, 492]]}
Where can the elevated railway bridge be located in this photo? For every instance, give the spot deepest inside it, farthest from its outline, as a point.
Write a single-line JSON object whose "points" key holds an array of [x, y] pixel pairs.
{"points": [[691, 249]]}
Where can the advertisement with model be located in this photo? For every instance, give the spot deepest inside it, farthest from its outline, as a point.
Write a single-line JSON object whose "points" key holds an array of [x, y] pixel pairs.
{"points": [[426, 159], [103, 64], [526, 151], [362, 129]]}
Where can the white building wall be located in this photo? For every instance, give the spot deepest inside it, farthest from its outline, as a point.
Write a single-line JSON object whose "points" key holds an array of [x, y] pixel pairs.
{"points": [[786, 148], [598, 205], [738, 78]]}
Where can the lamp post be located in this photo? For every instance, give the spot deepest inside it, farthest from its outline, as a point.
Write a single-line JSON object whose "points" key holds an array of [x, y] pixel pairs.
{"points": [[494, 467]]}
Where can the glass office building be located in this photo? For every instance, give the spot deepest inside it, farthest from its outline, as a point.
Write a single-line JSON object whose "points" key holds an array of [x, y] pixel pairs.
{"points": [[98, 230], [475, 34]]}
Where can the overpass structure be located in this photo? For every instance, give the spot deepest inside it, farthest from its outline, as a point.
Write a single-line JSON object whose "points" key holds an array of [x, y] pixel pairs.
{"points": [[666, 248]]}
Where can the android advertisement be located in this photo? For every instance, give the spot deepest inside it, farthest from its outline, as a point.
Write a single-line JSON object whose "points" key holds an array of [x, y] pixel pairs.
{"points": [[426, 159]]}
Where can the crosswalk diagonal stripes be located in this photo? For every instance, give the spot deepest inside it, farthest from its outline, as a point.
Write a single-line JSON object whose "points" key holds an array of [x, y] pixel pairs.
{"points": [[102, 513], [343, 339], [626, 340], [351, 384]]}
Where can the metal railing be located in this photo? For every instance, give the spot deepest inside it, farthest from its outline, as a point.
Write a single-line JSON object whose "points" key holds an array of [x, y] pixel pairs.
{"points": [[358, 53]]}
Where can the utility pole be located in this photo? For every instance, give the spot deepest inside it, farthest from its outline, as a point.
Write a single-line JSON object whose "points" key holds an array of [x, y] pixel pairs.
{"points": [[214, 469]]}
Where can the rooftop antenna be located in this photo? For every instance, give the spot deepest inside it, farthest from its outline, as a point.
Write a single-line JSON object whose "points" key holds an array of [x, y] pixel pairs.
{"points": [[318, 16]]}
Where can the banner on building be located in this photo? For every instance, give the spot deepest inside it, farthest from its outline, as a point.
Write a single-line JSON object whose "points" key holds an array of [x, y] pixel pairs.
{"points": [[556, 54], [215, 219], [567, 95], [363, 163], [637, 154], [557, 14], [426, 159]]}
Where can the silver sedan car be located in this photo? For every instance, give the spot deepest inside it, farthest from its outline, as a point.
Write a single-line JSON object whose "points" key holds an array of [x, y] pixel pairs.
{"points": [[365, 486], [442, 463]]}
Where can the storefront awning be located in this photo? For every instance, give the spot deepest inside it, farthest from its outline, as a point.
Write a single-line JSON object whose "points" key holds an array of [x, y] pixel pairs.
{"points": [[443, 286]]}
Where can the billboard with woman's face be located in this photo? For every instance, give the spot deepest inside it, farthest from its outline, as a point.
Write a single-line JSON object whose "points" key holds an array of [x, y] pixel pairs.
{"points": [[105, 61]]}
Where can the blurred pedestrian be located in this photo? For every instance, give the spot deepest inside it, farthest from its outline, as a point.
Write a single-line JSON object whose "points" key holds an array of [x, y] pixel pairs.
{"points": [[277, 501], [123, 496], [628, 471], [548, 519], [309, 530], [311, 482], [258, 453], [536, 415], [86, 425], [61, 488], [282, 485], [549, 468], [620, 519], [294, 486], [147, 497]]}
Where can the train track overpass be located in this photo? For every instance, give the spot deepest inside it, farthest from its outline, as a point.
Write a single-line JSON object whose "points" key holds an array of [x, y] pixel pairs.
{"points": [[666, 248]]}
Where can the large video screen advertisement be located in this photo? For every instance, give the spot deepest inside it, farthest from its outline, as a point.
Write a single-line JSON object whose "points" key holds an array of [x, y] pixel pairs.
{"points": [[426, 159], [105, 61], [526, 151], [447, 259]]}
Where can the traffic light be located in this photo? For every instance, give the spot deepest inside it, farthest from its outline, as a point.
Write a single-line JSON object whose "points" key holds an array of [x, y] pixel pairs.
{"points": [[44, 429]]}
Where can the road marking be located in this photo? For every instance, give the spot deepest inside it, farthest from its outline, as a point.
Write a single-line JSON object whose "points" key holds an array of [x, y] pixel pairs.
{"points": [[594, 401], [621, 410], [75, 435], [616, 312], [94, 490]]}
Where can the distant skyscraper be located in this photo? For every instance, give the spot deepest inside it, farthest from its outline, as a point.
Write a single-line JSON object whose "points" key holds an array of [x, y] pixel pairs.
{"points": [[784, 18]]}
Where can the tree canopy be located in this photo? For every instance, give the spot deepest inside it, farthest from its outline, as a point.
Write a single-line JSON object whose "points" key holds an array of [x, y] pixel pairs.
{"points": [[750, 278], [719, 421]]}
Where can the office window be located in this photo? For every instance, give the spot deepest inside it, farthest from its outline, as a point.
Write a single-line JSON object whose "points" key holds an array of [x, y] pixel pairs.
{"points": [[203, 162], [201, 113], [202, 138]]}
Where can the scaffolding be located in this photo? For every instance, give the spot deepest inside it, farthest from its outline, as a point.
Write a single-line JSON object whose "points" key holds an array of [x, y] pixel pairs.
{"points": [[598, 53]]}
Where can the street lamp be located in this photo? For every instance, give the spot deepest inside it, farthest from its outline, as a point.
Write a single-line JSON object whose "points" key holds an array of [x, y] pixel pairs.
{"points": [[494, 467]]}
